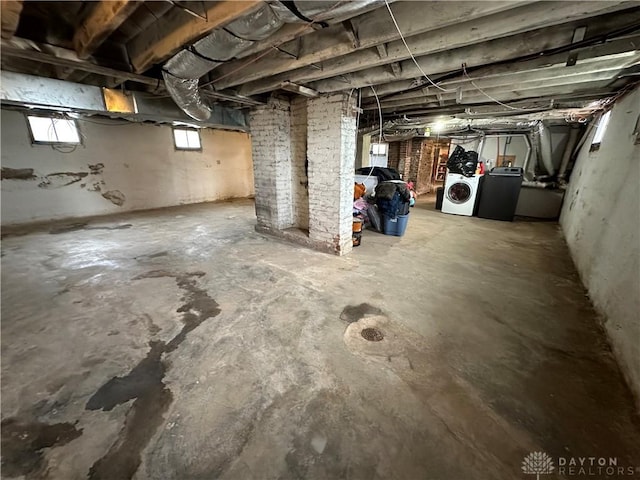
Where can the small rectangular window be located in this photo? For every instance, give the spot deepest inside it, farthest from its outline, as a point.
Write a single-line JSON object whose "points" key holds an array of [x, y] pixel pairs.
{"points": [[47, 130], [379, 149], [186, 139], [600, 129]]}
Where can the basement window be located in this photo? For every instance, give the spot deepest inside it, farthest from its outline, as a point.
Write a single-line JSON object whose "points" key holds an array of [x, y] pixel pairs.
{"points": [[600, 129], [378, 148], [186, 139], [51, 131]]}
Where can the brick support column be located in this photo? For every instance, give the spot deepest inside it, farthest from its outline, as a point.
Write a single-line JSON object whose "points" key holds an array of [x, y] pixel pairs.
{"points": [[416, 158], [394, 155], [331, 148], [404, 161], [271, 149]]}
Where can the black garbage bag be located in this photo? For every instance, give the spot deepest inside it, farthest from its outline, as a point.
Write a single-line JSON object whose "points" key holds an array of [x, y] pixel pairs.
{"points": [[382, 173], [463, 162], [456, 159], [470, 165], [374, 218]]}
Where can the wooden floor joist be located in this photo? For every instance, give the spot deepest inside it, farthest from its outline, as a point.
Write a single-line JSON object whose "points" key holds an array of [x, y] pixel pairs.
{"points": [[105, 17], [177, 29]]}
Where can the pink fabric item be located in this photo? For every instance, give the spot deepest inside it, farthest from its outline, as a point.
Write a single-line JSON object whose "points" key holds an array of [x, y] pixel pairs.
{"points": [[360, 204]]}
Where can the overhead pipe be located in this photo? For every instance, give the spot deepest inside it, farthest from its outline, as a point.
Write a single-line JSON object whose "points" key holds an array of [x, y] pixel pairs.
{"points": [[182, 72], [568, 151], [546, 150]]}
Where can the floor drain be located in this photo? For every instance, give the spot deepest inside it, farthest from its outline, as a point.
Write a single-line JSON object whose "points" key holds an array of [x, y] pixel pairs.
{"points": [[372, 334]]}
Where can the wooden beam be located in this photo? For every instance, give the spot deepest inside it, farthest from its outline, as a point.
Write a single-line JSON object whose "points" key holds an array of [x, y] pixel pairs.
{"points": [[519, 73], [10, 15], [177, 29], [299, 89], [587, 55], [373, 28], [382, 50], [529, 90], [105, 18], [351, 33], [113, 77], [494, 51], [523, 19], [10, 50]]}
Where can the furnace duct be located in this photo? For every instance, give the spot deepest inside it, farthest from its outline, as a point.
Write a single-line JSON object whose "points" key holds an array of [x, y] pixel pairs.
{"points": [[182, 72]]}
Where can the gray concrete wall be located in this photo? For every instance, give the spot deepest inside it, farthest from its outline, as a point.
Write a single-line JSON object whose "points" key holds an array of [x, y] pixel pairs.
{"points": [[601, 222], [140, 170]]}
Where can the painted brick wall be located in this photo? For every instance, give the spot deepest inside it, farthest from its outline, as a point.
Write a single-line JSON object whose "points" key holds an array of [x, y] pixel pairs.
{"points": [[416, 158], [425, 168], [394, 155], [404, 162], [331, 148], [299, 180], [271, 148]]}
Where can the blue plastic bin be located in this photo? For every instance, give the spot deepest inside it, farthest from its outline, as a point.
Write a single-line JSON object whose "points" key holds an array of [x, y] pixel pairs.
{"points": [[396, 226]]}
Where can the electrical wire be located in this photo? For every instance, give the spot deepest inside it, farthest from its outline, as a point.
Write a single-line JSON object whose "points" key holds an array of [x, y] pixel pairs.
{"points": [[379, 112], [409, 50], [380, 134]]}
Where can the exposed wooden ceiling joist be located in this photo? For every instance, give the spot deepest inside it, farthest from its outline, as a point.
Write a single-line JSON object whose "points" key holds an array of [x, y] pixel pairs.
{"points": [[177, 29], [105, 17], [10, 16], [494, 51], [112, 76], [473, 32], [473, 95], [523, 92], [371, 29], [522, 107], [76, 63], [588, 54], [559, 74]]}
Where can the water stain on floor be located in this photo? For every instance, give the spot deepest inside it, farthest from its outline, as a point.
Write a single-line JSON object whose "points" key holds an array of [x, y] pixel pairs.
{"points": [[144, 383], [353, 313], [23, 442]]}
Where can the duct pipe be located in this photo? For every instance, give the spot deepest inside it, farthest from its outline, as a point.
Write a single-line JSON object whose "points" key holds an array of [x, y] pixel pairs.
{"points": [[182, 72], [546, 154], [568, 151]]}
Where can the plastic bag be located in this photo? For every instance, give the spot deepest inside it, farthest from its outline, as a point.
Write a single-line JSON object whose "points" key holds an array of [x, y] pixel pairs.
{"points": [[463, 162], [374, 218]]}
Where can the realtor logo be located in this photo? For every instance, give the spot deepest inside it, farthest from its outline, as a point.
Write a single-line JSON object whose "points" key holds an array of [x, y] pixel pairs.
{"points": [[537, 463]]}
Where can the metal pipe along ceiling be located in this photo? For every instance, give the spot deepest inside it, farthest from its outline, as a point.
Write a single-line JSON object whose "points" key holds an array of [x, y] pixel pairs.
{"points": [[182, 72]]}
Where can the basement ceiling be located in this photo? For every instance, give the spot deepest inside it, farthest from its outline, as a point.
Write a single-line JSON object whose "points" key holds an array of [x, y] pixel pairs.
{"points": [[417, 58]]}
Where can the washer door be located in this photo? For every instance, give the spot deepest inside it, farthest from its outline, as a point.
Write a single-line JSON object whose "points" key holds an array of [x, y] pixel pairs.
{"points": [[459, 192]]}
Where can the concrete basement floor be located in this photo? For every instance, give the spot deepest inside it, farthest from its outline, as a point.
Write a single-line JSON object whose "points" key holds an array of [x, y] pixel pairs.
{"points": [[181, 344]]}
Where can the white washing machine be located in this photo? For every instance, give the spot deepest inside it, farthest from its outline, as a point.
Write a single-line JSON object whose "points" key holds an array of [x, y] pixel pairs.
{"points": [[460, 194]]}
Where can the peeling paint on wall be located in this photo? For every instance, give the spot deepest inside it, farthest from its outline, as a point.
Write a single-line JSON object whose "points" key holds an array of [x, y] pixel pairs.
{"points": [[61, 179], [17, 174], [96, 169], [149, 174], [115, 196]]}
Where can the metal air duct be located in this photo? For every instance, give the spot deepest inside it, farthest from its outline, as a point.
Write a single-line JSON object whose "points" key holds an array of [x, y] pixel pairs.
{"points": [[182, 72]]}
